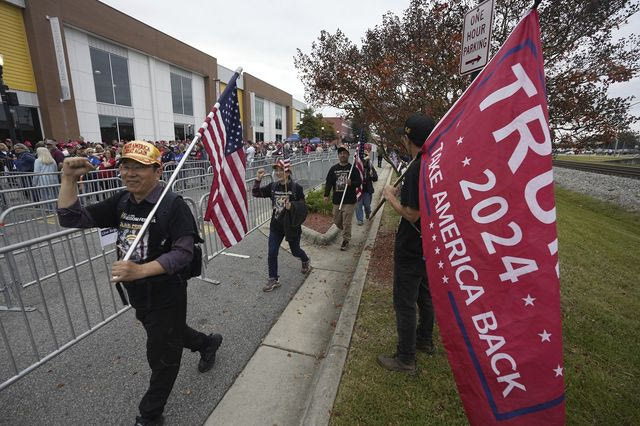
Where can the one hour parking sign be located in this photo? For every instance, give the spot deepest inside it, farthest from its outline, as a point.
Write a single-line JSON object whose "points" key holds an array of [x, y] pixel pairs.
{"points": [[476, 37]]}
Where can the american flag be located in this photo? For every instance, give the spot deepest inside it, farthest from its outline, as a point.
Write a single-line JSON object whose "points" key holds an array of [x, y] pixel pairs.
{"points": [[286, 161], [222, 139], [359, 163]]}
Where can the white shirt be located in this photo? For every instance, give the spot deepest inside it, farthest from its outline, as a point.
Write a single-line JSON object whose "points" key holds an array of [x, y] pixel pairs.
{"points": [[251, 152]]}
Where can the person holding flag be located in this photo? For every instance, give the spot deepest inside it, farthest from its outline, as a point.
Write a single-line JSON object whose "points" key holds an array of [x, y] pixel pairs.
{"points": [[344, 182], [289, 212], [156, 275], [369, 175], [410, 286]]}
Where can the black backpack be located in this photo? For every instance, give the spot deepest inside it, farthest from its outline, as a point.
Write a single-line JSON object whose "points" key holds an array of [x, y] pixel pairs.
{"points": [[162, 217]]}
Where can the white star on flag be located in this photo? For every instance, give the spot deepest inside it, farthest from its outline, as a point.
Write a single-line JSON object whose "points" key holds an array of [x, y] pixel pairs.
{"points": [[528, 300], [445, 279], [433, 237], [431, 225], [440, 264], [558, 370], [437, 250], [466, 162], [459, 141], [544, 336]]}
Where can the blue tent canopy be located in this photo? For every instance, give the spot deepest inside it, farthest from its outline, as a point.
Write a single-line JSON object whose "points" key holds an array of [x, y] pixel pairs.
{"points": [[293, 138], [315, 140]]}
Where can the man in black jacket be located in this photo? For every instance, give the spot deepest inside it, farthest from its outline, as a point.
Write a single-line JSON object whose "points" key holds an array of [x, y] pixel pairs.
{"points": [[156, 275], [289, 211], [410, 286], [339, 180]]}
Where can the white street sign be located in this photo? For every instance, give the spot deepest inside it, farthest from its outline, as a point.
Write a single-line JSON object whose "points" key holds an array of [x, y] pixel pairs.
{"points": [[476, 37]]}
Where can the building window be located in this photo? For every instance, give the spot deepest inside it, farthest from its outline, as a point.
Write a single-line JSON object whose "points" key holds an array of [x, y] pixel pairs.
{"points": [[116, 128], [278, 117], [259, 113], [110, 77], [27, 123], [181, 95], [259, 137], [183, 131], [278, 138]]}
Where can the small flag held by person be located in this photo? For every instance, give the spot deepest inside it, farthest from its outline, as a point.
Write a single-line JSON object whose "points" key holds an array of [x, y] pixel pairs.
{"points": [[221, 135], [286, 161]]}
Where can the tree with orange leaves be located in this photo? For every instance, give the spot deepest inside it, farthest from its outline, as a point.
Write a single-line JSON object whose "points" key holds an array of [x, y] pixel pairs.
{"points": [[410, 63]]}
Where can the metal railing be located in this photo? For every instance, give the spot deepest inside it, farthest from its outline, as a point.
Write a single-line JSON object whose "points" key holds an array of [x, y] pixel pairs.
{"points": [[55, 282]]}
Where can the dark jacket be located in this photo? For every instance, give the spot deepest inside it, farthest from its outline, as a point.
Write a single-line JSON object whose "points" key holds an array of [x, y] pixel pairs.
{"points": [[287, 221], [24, 162], [370, 176]]}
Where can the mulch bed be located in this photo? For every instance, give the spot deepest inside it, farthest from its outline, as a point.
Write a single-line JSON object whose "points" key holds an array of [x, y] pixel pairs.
{"points": [[381, 264], [318, 222]]}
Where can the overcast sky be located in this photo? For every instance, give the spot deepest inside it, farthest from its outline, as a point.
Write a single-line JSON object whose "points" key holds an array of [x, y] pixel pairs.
{"points": [[262, 37]]}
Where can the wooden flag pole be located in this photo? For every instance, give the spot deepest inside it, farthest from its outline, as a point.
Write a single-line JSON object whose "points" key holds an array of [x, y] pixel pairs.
{"points": [[381, 203], [346, 185]]}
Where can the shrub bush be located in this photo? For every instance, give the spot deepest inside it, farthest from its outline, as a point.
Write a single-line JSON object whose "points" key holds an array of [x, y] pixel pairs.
{"points": [[316, 204]]}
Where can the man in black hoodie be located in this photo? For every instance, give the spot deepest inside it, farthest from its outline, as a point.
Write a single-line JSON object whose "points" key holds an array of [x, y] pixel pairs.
{"points": [[410, 285], [339, 180], [289, 211]]}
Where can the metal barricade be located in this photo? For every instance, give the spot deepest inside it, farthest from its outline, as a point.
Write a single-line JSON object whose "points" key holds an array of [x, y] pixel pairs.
{"points": [[64, 277]]}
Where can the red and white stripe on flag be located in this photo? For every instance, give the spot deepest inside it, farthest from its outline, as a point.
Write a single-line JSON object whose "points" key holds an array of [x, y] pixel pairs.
{"points": [[489, 238], [222, 139]]}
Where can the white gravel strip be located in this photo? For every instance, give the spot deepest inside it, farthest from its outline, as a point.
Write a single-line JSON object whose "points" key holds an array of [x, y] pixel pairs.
{"points": [[622, 191]]}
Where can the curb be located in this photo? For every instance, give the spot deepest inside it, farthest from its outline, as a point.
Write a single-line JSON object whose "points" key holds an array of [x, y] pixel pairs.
{"points": [[315, 237], [320, 401]]}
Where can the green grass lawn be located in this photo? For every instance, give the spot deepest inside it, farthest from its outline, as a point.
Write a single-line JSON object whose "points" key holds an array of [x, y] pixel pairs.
{"points": [[600, 286], [593, 158]]}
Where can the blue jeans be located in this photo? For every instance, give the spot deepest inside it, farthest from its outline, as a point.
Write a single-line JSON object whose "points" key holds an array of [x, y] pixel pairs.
{"points": [[365, 201], [275, 238]]}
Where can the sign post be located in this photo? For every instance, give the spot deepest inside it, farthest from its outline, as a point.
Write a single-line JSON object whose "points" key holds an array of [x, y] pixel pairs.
{"points": [[476, 37]]}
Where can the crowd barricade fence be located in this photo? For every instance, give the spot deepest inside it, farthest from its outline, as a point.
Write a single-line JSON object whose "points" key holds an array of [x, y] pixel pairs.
{"points": [[55, 283]]}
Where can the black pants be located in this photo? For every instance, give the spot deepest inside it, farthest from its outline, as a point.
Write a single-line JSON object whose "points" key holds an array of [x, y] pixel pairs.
{"points": [[167, 334], [410, 289]]}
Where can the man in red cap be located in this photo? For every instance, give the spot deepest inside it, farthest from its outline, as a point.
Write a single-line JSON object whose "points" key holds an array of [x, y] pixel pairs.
{"points": [[156, 275]]}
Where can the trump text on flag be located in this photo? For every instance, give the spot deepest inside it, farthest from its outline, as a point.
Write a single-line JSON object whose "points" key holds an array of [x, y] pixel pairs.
{"points": [[490, 241]]}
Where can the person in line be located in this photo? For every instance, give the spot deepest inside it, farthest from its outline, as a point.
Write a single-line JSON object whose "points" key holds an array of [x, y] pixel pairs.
{"points": [[46, 175], [289, 211], [156, 275], [251, 153], [363, 206], [56, 154], [339, 181], [410, 285]]}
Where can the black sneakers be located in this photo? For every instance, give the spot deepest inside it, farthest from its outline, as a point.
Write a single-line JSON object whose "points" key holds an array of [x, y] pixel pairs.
{"points": [[306, 267], [425, 347], [208, 354], [271, 285], [392, 363], [141, 421], [345, 245]]}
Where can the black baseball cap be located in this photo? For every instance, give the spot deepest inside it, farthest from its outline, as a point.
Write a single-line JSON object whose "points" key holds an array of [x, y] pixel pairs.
{"points": [[417, 128]]}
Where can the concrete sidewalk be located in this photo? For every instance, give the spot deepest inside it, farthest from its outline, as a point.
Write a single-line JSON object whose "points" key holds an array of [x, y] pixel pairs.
{"points": [[292, 377]]}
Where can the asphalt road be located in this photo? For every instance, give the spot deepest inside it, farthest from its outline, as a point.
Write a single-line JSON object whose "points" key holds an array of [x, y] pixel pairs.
{"points": [[101, 379]]}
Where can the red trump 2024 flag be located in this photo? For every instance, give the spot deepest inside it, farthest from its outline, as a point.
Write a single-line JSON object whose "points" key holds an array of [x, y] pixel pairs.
{"points": [[490, 241]]}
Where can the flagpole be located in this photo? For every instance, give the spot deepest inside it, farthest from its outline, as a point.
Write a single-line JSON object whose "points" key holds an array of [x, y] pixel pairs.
{"points": [[381, 202], [347, 186], [172, 179]]}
